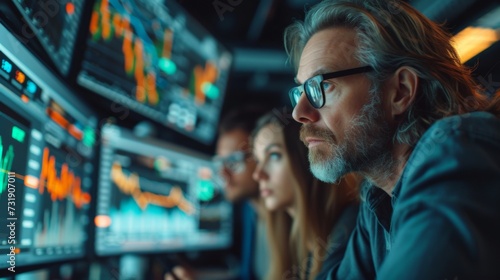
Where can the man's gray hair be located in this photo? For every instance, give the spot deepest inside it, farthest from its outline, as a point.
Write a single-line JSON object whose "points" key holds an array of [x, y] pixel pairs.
{"points": [[390, 35]]}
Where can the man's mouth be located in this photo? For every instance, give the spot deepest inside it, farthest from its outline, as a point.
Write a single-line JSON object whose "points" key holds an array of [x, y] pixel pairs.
{"points": [[313, 141]]}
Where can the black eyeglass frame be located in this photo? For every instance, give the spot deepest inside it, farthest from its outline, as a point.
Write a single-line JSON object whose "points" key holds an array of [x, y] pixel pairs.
{"points": [[319, 79]]}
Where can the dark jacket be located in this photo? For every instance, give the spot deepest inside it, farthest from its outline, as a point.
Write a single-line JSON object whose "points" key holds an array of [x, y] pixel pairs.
{"points": [[443, 219]]}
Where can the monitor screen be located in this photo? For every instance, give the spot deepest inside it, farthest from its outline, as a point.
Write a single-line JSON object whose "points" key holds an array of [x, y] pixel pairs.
{"points": [[55, 24], [156, 197], [155, 59], [46, 148]]}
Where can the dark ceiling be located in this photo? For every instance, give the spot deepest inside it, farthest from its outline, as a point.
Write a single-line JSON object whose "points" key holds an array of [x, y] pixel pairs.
{"points": [[247, 23], [253, 31]]}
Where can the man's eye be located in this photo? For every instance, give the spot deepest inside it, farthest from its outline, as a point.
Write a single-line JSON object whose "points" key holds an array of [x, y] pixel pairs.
{"points": [[327, 86]]}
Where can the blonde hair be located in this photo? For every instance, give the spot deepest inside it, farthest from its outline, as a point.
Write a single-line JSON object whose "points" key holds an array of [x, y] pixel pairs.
{"points": [[318, 206], [392, 34]]}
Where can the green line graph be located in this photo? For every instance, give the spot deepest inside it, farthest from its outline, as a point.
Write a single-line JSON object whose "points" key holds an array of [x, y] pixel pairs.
{"points": [[5, 165]]}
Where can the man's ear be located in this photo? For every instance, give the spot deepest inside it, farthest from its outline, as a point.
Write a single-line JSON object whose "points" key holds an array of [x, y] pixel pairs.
{"points": [[402, 89]]}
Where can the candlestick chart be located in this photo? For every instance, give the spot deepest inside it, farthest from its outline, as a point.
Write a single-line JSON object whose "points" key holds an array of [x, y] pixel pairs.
{"points": [[158, 61]]}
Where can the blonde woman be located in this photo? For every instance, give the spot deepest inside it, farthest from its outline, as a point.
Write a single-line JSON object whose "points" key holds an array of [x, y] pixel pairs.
{"points": [[309, 222]]}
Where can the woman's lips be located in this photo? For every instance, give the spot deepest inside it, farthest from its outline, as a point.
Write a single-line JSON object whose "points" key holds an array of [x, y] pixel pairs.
{"points": [[265, 192]]}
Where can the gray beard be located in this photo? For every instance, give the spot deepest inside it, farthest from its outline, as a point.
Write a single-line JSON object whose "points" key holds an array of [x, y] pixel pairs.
{"points": [[366, 148]]}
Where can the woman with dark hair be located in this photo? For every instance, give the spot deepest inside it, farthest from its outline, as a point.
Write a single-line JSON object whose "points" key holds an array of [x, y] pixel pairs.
{"points": [[309, 222]]}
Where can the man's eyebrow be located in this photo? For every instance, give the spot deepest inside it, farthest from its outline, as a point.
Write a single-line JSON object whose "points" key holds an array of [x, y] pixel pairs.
{"points": [[315, 73]]}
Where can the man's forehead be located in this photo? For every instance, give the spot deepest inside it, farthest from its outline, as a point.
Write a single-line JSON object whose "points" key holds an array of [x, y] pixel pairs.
{"points": [[331, 49], [224, 151], [232, 141]]}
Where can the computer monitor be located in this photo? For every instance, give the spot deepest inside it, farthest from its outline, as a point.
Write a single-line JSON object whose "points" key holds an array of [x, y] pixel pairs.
{"points": [[47, 139], [156, 197], [55, 23], [157, 60]]}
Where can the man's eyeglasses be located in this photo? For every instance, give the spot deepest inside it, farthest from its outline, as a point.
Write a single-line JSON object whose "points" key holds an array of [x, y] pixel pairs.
{"points": [[313, 87], [235, 162]]}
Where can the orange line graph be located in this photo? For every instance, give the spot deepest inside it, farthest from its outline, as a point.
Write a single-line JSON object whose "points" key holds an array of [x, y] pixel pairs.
{"points": [[67, 184], [102, 22], [129, 184]]}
